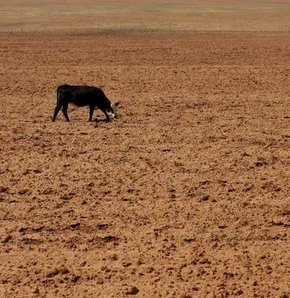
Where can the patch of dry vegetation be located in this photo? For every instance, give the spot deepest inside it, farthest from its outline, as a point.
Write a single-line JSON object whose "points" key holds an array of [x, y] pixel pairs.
{"points": [[160, 15]]}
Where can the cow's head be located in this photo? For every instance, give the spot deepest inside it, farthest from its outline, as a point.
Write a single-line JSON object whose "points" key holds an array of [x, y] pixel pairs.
{"points": [[113, 110]]}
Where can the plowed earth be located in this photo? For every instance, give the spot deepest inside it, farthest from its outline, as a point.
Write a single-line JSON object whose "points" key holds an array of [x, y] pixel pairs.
{"points": [[186, 194]]}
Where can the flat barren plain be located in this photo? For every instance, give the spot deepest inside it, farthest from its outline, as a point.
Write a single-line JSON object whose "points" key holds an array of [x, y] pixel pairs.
{"points": [[186, 194]]}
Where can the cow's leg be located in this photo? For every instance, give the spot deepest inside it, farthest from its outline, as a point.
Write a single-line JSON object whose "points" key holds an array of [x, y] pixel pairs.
{"points": [[64, 110], [107, 116], [92, 108], [55, 112]]}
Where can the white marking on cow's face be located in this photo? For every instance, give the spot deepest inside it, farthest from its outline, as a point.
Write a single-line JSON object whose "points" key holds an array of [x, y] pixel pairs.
{"points": [[111, 114], [114, 106]]}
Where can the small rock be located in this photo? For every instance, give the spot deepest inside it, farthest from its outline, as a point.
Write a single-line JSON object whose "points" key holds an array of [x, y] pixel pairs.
{"points": [[140, 262], [261, 163], [268, 269], [23, 229], [172, 196], [190, 239], [238, 292], [204, 198], [102, 226], [57, 271], [99, 281], [204, 261], [126, 263], [75, 278], [7, 239], [75, 226], [3, 189], [23, 191], [132, 291], [114, 257], [285, 212], [110, 238], [47, 191], [84, 263]]}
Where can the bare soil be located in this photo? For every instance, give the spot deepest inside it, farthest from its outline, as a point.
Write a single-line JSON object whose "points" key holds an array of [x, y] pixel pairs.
{"points": [[186, 194]]}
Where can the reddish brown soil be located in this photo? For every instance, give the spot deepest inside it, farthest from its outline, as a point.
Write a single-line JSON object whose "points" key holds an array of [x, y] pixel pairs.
{"points": [[185, 195]]}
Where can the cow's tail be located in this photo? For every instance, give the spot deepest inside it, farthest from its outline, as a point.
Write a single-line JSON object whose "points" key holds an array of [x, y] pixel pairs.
{"points": [[58, 92], [58, 104]]}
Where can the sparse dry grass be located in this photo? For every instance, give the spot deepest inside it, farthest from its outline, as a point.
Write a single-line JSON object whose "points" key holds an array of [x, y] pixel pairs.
{"points": [[160, 15]]}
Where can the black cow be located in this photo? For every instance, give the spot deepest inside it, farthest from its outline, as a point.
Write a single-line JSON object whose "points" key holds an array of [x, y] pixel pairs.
{"points": [[84, 96]]}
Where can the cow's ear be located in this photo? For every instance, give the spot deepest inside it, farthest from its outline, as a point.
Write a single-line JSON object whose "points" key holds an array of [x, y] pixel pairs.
{"points": [[117, 103]]}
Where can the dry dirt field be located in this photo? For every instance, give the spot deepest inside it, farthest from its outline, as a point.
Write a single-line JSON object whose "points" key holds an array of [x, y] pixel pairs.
{"points": [[224, 15], [186, 194]]}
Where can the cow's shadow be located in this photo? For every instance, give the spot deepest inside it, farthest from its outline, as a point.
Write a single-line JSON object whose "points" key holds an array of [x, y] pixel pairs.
{"points": [[102, 121], [97, 120]]}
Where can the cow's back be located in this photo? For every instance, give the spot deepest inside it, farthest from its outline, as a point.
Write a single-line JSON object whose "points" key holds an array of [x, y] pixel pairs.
{"points": [[78, 95]]}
